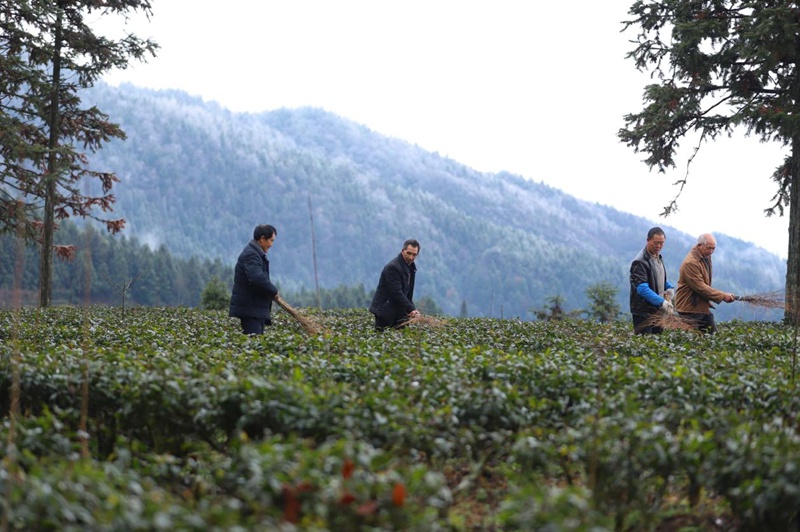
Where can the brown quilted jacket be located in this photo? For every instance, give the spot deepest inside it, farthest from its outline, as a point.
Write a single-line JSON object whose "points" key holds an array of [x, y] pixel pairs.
{"points": [[694, 292]]}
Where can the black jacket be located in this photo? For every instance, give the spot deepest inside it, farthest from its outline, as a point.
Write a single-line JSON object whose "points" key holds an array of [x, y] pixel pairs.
{"points": [[642, 272], [393, 298], [252, 289]]}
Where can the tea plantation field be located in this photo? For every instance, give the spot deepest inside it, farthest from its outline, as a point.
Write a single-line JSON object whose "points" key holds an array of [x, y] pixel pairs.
{"points": [[170, 419]]}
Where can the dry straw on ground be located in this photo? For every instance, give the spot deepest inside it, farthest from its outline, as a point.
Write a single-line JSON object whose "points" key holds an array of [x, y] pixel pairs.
{"points": [[671, 321], [424, 321], [309, 324]]}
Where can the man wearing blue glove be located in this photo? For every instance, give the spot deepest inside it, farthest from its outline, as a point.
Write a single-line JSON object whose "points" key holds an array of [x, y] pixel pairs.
{"points": [[649, 284]]}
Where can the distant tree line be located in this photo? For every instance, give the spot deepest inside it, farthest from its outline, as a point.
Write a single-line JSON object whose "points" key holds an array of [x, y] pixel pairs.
{"points": [[344, 296], [161, 279], [156, 277], [152, 277]]}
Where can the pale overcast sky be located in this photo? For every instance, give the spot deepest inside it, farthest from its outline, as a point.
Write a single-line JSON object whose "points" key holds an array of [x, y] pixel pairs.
{"points": [[538, 89]]}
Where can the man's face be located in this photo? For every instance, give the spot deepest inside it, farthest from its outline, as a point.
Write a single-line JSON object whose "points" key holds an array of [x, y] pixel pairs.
{"points": [[708, 248], [409, 254], [266, 243], [655, 244]]}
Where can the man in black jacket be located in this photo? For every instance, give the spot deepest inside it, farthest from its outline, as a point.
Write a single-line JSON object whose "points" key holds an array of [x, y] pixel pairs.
{"points": [[392, 303], [649, 284], [253, 292]]}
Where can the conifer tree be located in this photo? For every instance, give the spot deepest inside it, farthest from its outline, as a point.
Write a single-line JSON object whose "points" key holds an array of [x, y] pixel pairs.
{"points": [[719, 65], [603, 305], [48, 54]]}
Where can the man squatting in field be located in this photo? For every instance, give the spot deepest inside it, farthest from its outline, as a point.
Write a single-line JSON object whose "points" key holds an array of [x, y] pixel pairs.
{"points": [[392, 303], [649, 284]]}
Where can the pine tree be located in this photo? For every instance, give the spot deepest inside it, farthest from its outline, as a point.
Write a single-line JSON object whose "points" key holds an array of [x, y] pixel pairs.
{"points": [[48, 53], [603, 305], [720, 64]]}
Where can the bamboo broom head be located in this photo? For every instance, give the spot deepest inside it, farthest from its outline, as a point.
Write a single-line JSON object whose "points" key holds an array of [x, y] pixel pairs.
{"points": [[671, 321], [776, 299], [309, 325], [425, 321]]}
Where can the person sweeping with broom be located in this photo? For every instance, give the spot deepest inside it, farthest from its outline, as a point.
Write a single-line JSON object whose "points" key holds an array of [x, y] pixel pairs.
{"points": [[649, 284], [253, 292], [392, 304], [694, 296]]}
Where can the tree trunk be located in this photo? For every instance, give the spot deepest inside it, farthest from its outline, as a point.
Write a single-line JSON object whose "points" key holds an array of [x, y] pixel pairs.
{"points": [[791, 314], [51, 178], [46, 259]]}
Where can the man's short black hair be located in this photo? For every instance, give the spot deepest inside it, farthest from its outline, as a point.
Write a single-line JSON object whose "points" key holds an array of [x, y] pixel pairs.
{"points": [[655, 231], [264, 230], [411, 242]]}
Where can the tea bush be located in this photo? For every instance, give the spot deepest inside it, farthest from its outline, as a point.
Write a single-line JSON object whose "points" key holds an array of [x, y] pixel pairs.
{"points": [[569, 424]]}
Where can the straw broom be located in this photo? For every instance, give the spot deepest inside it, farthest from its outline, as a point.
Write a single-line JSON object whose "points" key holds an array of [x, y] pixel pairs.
{"points": [[419, 319], [769, 300], [310, 326], [671, 321], [776, 299]]}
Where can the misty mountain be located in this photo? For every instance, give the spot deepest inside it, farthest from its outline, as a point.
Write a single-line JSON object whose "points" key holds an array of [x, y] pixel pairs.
{"points": [[197, 178]]}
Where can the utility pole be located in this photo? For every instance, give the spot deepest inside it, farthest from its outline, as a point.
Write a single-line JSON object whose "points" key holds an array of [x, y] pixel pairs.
{"points": [[314, 252]]}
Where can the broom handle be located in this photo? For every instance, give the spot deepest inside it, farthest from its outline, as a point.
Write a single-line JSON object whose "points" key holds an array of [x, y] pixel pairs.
{"points": [[288, 308]]}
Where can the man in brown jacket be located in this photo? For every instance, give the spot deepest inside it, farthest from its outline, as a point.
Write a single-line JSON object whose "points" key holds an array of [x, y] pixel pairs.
{"points": [[694, 294]]}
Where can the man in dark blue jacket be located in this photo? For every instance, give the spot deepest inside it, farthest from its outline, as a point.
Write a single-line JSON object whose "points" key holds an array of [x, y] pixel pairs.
{"points": [[392, 303], [649, 284], [253, 292]]}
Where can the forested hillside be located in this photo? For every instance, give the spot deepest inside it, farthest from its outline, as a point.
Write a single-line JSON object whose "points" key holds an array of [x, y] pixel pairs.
{"points": [[198, 178]]}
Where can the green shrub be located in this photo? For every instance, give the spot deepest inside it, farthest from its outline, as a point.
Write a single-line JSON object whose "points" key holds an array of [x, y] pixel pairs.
{"points": [[215, 295]]}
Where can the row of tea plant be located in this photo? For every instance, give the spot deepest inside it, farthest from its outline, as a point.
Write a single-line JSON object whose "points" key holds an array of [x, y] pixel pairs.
{"points": [[171, 418]]}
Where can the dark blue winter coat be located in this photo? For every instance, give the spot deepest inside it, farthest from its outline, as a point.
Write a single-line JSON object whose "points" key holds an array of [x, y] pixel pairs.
{"points": [[252, 289], [393, 298]]}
